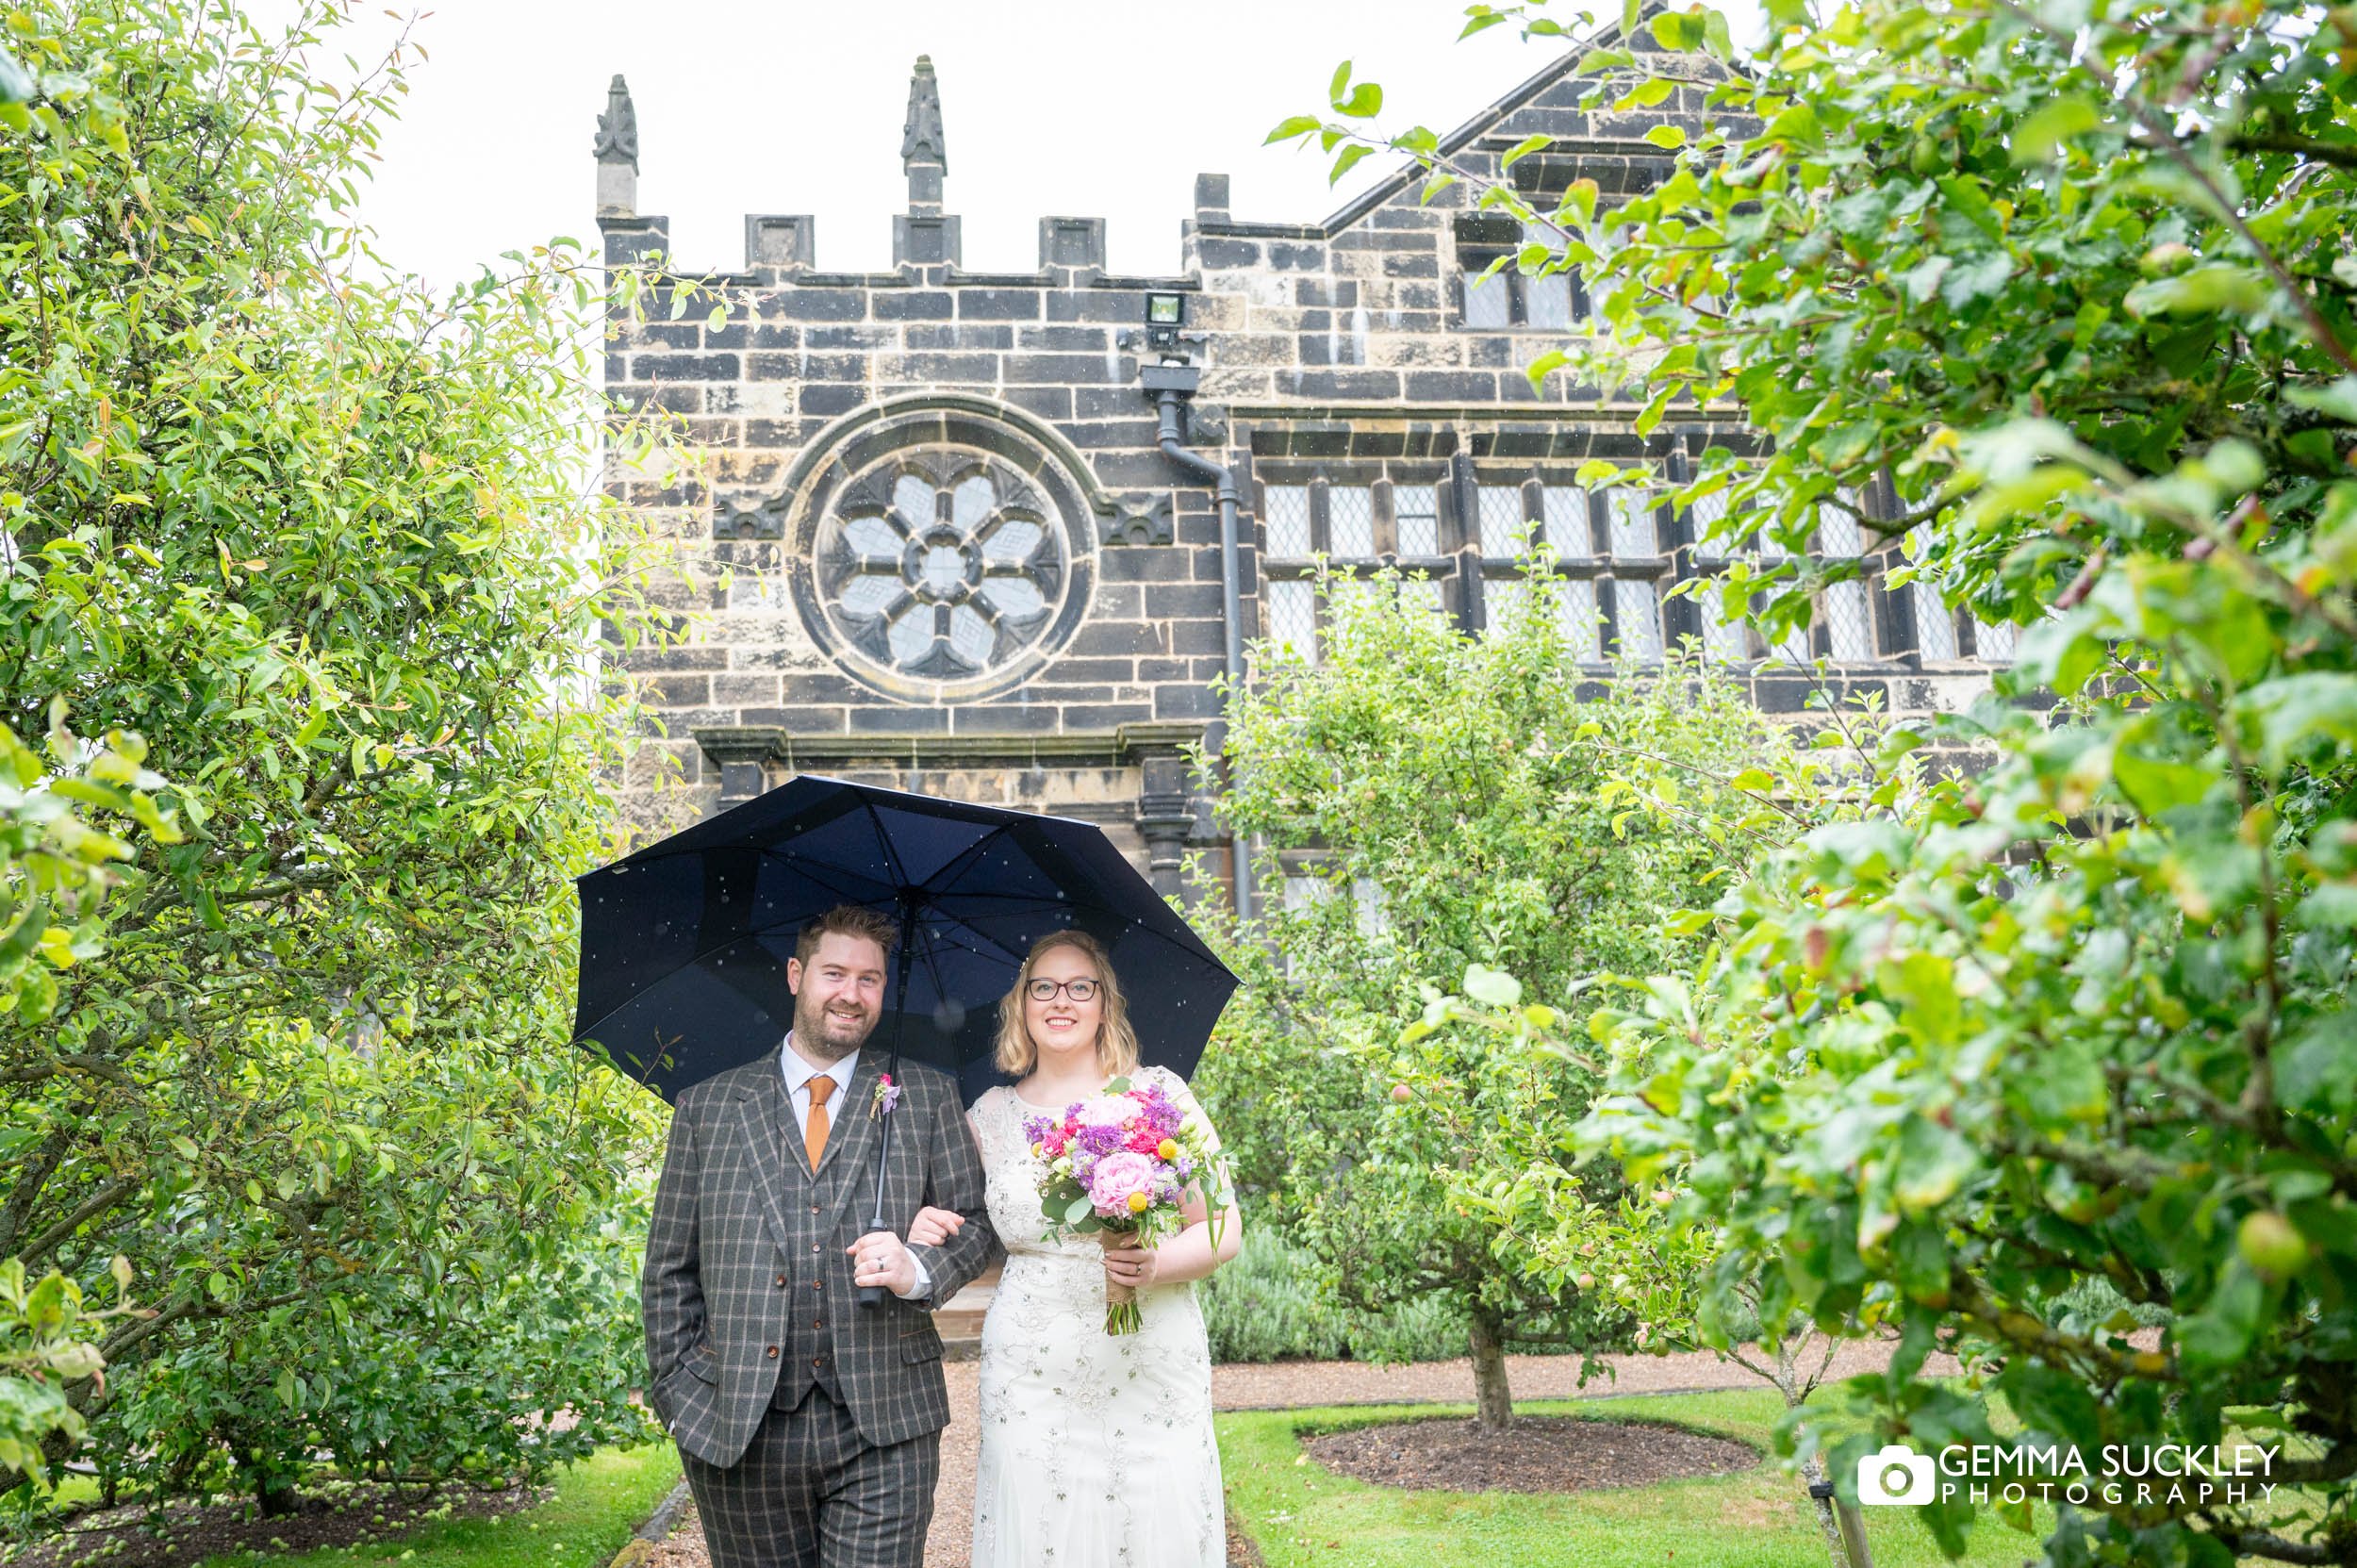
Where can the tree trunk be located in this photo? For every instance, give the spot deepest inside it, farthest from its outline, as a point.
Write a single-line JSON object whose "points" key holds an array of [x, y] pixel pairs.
{"points": [[1493, 1405], [1813, 1472]]}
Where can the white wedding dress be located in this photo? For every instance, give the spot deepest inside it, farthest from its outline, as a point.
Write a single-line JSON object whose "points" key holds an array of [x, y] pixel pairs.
{"points": [[1096, 1449]]}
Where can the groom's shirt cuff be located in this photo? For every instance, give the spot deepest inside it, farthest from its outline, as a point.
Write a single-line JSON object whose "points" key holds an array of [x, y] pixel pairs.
{"points": [[924, 1286]]}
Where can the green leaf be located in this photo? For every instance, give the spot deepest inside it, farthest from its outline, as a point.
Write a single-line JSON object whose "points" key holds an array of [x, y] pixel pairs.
{"points": [[2051, 124], [16, 83], [1288, 130], [1491, 987], [2221, 1334], [1079, 1208], [2215, 287], [2339, 399], [1340, 85], [1366, 102], [2291, 713], [1932, 1161], [1346, 160], [1668, 137], [1524, 148], [2156, 785]]}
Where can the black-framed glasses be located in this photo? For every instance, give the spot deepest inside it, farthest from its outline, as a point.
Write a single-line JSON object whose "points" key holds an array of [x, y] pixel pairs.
{"points": [[1078, 990]]}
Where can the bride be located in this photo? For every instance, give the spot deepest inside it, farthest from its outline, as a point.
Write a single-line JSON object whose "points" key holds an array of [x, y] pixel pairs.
{"points": [[1096, 1449]]}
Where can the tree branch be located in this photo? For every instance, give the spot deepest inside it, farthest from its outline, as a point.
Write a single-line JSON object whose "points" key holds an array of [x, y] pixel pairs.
{"points": [[97, 1203], [2299, 146]]}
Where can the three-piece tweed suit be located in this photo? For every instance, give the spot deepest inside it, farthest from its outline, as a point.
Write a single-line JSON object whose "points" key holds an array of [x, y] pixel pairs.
{"points": [[809, 1426]]}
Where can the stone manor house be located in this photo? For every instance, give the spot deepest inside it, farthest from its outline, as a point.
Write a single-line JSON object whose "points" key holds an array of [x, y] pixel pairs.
{"points": [[940, 542]]}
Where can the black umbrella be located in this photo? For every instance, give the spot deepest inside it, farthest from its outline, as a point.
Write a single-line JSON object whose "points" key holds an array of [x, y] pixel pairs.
{"points": [[684, 944]]}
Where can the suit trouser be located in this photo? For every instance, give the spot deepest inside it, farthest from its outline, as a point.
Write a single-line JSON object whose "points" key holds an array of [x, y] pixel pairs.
{"points": [[810, 1492]]}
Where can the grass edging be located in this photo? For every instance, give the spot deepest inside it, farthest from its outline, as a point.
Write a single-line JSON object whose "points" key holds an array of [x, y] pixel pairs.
{"points": [[1298, 1514], [655, 1530]]}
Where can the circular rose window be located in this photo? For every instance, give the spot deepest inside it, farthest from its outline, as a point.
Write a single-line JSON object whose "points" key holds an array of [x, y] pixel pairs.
{"points": [[943, 556]]}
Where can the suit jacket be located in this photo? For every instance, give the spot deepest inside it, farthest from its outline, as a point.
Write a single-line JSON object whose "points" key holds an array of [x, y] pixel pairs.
{"points": [[746, 1237]]}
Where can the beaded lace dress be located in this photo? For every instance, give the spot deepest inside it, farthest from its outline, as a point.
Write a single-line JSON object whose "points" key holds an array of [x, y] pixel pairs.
{"points": [[1096, 1449]]}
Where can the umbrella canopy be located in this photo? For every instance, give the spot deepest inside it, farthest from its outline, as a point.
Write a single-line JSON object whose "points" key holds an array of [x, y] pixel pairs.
{"points": [[684, 944]]}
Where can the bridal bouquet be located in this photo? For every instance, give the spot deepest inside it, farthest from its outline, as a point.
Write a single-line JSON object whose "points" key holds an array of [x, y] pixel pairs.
{"points": [[1118, 1166]]}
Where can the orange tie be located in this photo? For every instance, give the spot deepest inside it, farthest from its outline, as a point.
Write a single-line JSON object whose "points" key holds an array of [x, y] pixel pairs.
{"points": [[815, 1135]]}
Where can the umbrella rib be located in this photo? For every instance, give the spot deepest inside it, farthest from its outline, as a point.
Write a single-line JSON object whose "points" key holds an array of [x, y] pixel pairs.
{"points": [[1000, 948], [957, 865], [884, 838]]}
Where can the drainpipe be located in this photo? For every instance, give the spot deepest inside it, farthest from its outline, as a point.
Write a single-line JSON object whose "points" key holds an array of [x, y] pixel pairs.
{"points": [[1170, 386]]}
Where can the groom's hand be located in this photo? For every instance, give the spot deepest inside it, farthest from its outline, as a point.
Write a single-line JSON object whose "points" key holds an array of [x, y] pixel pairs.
{"points": [[880, 1259]]}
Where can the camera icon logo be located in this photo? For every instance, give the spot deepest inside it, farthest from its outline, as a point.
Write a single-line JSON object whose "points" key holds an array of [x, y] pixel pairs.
{"points": [[1896, 1476]]}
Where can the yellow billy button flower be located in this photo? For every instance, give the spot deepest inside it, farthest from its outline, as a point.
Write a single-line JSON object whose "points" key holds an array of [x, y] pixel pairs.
{"points": [[1167, 1149], [1038, 1150], [1138, 1202]]}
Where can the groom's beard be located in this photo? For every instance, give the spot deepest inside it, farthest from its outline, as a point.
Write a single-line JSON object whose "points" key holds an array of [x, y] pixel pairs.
{"points": [[831, 1032]]}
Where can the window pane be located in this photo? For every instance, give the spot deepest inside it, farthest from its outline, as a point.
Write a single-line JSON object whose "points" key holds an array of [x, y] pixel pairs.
{"points": [[1288, 519], [1503, 527], [1373, 918], [1350, 520], [1837, 532], [1934, 626], [1547, 301], [1564, 507], [1503, 601], [1306, 892], [1485, 303], [1416, 512], [1632, 521], [1706, 512], [1636, 619], [1994, 640], [1288, 616], [1724, 641], [1575, 607], [1848, 626]]}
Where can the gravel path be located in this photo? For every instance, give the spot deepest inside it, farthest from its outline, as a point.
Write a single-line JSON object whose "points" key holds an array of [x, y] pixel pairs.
{"points": [[1285, 1385]]}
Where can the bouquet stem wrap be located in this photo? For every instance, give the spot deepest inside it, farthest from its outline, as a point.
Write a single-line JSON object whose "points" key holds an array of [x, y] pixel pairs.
{"points": [[1122, 1315]]}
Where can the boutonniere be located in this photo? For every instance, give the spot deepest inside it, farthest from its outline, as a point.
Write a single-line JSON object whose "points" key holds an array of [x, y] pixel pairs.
{"points": [[887, 1096]]}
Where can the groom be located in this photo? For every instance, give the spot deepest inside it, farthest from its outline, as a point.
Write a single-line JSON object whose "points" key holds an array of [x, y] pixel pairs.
{"points": [[810, 1427]]}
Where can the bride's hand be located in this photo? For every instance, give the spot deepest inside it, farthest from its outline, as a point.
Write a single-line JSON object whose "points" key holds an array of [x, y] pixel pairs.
{"points": [[1134, 1266], [934, 1227]]}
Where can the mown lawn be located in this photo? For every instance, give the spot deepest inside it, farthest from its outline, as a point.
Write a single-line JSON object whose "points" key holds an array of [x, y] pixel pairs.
{"points": [[598, 1502], [1301, 1514]]}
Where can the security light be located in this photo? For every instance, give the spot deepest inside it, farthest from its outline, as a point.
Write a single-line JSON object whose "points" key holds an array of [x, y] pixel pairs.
{"points": [[1165, 315]]}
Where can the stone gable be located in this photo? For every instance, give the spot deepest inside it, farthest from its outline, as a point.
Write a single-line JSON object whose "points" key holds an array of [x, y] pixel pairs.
{"points": [[936, 543]]}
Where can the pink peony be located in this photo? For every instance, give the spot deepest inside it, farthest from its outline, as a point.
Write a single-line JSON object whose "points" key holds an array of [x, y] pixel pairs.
{"points": [[1115, 1178], [1104, 1111]]}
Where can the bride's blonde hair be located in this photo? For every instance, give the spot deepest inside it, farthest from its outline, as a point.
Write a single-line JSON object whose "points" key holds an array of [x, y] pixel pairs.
{"points": [[1116, 1042]]}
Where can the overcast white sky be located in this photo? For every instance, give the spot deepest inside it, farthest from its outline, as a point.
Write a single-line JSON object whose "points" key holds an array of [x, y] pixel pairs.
{"points": [[1104, 109]]}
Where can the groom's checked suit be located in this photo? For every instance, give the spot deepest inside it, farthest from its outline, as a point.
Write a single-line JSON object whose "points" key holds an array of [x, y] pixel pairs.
{"points": [[809, 1425]]}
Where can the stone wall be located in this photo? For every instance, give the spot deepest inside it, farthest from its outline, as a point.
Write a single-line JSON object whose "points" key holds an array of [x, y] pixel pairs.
{"points": [[932, 541]]}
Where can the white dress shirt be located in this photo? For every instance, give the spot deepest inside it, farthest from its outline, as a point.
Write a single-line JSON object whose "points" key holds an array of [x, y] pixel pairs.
{"points": [[799, 1073]]}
